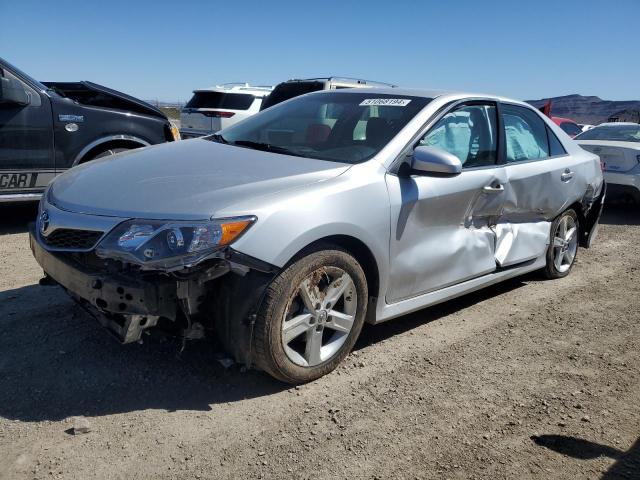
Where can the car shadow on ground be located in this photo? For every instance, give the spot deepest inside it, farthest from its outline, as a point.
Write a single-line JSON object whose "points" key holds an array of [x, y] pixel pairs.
{"points": [[16, 218], [626, 466], [57, 362], [617, 213], [376, 333]]}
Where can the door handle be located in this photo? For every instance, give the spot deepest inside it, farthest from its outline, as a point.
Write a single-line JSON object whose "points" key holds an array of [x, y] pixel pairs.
{"points": [[566, 175], [493, 188]]}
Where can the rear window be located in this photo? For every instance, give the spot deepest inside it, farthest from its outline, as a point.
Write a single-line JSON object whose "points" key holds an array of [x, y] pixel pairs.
{"points": [[620, 133], [232, 101], [286, 91], [570, 129]]}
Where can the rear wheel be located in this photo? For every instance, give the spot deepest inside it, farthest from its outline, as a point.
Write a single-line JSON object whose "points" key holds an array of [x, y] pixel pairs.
{"points": [[561, 254], [311, 316]]}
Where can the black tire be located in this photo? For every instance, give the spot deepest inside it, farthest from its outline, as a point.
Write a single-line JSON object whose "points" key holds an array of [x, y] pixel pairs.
{"points": [[270, 354], [108, 152], [551, 270]]}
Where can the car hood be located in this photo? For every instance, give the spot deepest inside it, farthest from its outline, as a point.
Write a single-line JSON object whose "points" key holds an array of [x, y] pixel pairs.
{"points": [[189, 179]]}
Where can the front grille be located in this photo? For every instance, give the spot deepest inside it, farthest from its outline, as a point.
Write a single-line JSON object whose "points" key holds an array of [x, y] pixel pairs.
{"points": [[72, 239]]}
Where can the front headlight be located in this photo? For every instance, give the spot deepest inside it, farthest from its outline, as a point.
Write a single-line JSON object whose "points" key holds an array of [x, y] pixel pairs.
{"points": [[170, 245]]}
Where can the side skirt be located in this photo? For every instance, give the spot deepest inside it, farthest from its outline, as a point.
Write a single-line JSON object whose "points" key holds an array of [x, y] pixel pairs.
{"points": [[389, 311]]}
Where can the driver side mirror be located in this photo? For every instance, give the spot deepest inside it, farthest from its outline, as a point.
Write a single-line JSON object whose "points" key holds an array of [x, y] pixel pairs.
{"points": [[436, 161], [12, 93]]}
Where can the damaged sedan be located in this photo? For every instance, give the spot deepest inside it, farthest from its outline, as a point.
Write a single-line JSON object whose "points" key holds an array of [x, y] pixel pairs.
{"points": [[282, 234]]}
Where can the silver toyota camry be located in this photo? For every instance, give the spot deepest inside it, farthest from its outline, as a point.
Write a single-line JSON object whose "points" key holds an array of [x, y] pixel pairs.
{"points": [[281, 235]]}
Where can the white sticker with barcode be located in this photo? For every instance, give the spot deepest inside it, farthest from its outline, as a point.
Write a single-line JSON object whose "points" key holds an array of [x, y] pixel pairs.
{"points": [[387, 102]]}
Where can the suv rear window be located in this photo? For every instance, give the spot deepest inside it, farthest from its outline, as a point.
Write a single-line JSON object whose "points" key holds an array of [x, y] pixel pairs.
{"points": [[232, 101], [288, 90]]}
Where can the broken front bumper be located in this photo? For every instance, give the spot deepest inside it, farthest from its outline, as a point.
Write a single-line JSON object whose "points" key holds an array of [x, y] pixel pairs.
{"points": [[125, 305], [222, 296]]}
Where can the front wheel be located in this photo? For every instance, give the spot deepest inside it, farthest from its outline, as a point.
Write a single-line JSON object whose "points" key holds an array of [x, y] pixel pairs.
{"points": [[311, 316], [561, 254]]}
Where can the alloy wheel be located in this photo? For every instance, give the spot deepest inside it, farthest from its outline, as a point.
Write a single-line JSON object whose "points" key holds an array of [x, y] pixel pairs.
{"points": [[565, 243], [319, 316]]}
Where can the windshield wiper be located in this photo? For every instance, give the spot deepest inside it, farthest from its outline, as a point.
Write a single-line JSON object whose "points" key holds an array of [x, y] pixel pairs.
{"points": [[216, 137], [267, 147]]}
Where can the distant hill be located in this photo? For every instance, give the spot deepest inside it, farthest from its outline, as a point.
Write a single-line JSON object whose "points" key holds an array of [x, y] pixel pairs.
{"points": [[590, 110]]}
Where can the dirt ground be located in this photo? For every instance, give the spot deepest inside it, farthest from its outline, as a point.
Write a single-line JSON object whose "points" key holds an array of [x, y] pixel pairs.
{"points": [[528, 379]]}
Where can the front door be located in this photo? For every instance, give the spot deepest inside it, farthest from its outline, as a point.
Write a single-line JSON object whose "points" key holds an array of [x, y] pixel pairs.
{"points": [[441, 232], [26, 142]]}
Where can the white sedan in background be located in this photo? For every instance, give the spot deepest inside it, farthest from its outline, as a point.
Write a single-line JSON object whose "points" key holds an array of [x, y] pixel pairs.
{"points": [[618, 145]]}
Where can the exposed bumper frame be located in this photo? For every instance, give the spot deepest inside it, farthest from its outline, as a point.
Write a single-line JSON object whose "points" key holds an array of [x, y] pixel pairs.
{"points": [[111, 292], [128, 305]]}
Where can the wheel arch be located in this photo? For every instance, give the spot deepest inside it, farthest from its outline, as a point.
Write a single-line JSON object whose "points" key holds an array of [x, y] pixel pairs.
{"points": [[589, 211], [356, 247], [112, 141]]}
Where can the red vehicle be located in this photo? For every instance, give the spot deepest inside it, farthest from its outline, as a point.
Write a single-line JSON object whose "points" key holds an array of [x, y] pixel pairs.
{"points": [[570, 127]]}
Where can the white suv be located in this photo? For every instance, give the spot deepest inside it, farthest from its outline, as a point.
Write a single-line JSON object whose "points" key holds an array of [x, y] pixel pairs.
{"points": [[213, 109]]}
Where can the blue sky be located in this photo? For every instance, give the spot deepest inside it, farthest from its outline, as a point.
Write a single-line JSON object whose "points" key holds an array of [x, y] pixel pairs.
{"points": [[163, 50]]}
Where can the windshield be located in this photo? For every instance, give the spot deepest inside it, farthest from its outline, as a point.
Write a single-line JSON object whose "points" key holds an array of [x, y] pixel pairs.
{"points": [[34, 83], [618, 133], [341, 127]]}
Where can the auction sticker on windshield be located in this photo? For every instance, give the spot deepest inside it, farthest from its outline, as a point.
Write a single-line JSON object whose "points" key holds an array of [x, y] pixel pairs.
{"points": [[388, 102]]}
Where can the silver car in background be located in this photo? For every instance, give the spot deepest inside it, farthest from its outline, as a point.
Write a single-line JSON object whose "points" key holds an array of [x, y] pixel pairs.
{"points": [[281, 235], [618, 146]]}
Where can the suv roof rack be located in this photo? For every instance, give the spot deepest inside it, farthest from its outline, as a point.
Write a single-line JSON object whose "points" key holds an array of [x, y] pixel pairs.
{"points": [[344, 79], [237, 86]]}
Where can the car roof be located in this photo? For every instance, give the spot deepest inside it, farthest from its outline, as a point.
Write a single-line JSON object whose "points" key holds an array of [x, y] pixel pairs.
{"points": [[359, 82], [242, 88], [562, 119]]}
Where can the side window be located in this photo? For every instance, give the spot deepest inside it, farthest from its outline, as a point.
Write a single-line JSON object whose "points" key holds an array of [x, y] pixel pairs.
{"points": [[469, 132], [34, 98], [525, 133], [555, 147]]}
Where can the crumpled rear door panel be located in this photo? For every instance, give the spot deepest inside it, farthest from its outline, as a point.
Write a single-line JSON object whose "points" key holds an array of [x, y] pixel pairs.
{"points": [[536, 192]]}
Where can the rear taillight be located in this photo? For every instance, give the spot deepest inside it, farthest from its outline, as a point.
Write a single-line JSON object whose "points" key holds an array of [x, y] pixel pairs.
{"points": [[219, 114]]}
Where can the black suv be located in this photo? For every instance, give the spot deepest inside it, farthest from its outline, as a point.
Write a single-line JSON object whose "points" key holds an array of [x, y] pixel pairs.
{"points": [[46, 128]]}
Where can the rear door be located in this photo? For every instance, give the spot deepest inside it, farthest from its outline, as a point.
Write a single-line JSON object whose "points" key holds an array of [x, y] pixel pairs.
{"points": [[542, 181], [26, 142], [442, 225]]}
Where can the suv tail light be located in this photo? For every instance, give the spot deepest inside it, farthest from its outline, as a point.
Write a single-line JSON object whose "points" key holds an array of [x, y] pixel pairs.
{"points": [[219, 114]]}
